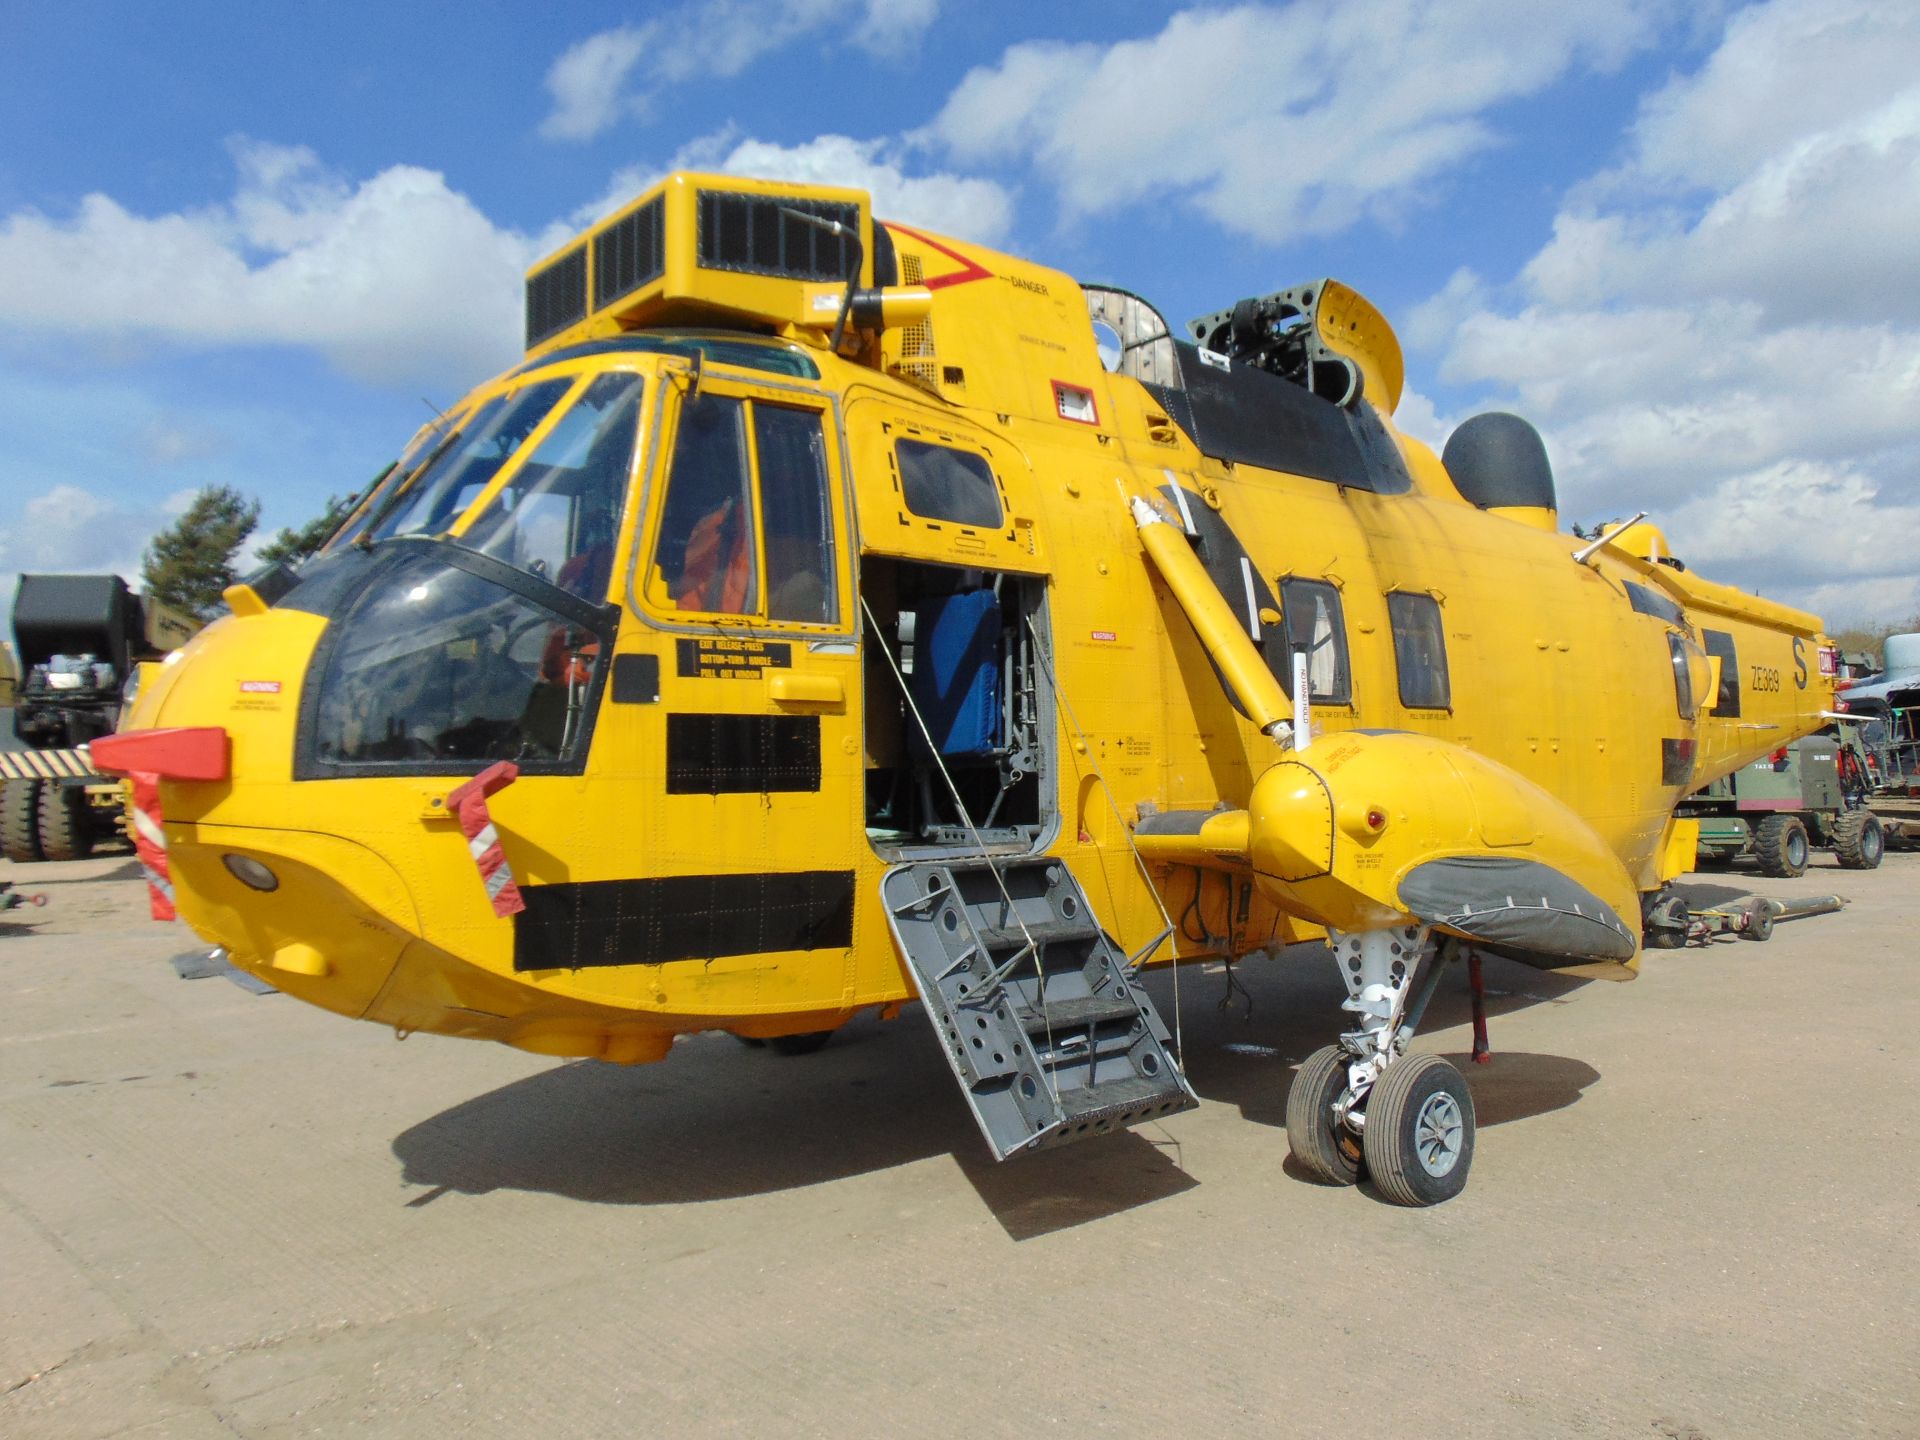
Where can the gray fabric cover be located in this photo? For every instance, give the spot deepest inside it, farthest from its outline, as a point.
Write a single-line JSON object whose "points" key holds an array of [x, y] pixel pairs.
{"points": [[1518, 904]]}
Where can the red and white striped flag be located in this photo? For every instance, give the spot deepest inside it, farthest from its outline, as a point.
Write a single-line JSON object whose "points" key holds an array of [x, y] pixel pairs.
{"points": [[150, 842], [469, 803]]}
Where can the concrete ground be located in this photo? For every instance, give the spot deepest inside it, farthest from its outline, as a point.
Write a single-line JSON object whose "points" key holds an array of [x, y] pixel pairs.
{"points": [[1693, 1213]]}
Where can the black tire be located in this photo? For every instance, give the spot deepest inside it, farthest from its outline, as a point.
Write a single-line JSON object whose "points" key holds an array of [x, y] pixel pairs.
{"points": [[1859, 842], [66, 827], [1759, 924], [1419, 1120], [800, 1044], [20, 821], [1326, 1151], [1664, 921], [1781, 846]]}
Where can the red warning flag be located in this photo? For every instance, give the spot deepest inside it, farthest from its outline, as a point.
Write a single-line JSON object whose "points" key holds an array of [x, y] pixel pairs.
{"points": [[150, 843], [469, 803]]}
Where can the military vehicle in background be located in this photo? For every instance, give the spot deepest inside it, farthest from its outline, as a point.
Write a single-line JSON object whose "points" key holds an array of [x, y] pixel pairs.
{"points": [[79, 639], [1777, 808], [1885, 714]]}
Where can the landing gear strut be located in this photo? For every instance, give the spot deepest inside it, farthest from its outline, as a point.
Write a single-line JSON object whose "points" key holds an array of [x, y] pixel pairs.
{"points": [[1365, 1103]]}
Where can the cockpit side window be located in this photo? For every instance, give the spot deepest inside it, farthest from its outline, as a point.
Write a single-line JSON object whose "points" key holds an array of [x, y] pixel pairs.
{"points": [[558, 516], [793, 494], [747, 525], [704, 560]]}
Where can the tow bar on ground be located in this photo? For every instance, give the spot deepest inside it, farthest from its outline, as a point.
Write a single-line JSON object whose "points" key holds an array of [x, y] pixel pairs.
{"points": [[1755, 917]]}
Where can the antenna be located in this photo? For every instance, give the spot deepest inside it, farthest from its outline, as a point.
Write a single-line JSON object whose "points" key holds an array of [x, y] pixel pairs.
{"points": [[1585, 552]]}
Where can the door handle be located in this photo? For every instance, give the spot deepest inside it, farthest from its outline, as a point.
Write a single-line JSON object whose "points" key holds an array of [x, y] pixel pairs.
{"points": [[791, 689]]}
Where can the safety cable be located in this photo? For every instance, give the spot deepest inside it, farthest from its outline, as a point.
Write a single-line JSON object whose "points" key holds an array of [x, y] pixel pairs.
{"points": [[1032, 946], [1066, 705]]}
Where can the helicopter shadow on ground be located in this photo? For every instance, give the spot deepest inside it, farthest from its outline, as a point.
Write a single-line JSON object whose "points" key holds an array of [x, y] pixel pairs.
{"points": [[1705, 895], [721, 1121], [1250, 1062]]}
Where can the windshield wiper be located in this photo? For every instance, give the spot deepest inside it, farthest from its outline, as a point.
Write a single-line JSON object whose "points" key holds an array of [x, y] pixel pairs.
{"points": [[364, 540]]}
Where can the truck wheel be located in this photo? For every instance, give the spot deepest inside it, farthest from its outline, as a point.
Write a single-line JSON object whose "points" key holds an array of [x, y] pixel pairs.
{"points": [[66, 829], [1781, 846], [20, 821], [1858, 840]]}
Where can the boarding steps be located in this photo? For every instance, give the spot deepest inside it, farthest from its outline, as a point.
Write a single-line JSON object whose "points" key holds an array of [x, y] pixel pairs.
{"points": [[1046, 1031]]}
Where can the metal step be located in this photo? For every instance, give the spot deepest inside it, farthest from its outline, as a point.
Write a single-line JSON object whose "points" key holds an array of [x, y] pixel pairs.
{"points": [[1047, 1034]]}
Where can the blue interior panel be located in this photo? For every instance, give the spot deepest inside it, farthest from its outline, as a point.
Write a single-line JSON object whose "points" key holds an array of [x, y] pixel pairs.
{"points": [[956, 671]]}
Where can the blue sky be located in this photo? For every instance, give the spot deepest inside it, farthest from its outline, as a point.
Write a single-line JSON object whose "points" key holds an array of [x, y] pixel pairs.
{"points": [[246, 244]]}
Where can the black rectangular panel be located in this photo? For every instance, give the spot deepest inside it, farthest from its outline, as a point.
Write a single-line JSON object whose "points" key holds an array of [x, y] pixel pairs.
{"points": [[1719, 642], [1676, 762], [681, 917], [557, 296], [636, 679], [742, 754], [1236, 412]]}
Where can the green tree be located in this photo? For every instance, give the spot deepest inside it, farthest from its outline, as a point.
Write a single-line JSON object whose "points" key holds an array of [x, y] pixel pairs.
{"points": [[189, 563], [291, 546]]}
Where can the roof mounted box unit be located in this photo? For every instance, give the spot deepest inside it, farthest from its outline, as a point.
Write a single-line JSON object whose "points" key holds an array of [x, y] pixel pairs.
{"points": [[698, 248]]}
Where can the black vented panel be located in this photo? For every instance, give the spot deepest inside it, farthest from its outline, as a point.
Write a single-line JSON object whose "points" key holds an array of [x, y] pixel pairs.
{"points": [[749, 234], [631, 253], [557, 296]]}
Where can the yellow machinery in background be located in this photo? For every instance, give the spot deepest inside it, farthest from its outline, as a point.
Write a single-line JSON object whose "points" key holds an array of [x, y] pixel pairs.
{"points": [[825, 614]]}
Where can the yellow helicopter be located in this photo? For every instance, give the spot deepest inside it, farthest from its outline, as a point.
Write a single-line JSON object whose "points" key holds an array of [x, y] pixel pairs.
{"points": [[826, 615]]}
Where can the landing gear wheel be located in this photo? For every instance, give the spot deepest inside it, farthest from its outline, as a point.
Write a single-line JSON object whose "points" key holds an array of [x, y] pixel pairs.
{"points": [[1419, 1135], [800, 1044], [1664, 920], [1759, 924], [20, 821], [1858, 840], [1325, 1148], [1781, 846], [66, 831]]}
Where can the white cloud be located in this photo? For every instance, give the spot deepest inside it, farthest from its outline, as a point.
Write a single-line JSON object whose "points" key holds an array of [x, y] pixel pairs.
{"points": [[893, 28], [1797, 526], [398, 278], [978, 209], [69, 529], [613, 74], [1279, 120], [586, 83], [1726, 327]]}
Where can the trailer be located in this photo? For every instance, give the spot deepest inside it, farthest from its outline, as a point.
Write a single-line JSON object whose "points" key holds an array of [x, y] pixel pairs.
{"points": [[80, 639]]}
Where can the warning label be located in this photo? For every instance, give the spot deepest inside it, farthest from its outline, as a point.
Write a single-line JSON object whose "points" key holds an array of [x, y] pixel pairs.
{"points": [[724, 658]]}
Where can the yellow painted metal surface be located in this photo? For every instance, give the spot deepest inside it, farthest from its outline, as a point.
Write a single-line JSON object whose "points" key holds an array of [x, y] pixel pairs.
{"points": [[1566, 737]]}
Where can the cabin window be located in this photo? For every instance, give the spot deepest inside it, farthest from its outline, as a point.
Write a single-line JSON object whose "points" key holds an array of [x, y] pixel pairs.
{"points": [[940, 482], [747, 484], [1315, 624], [1720, 643], [1420, 651], [1683, 696]]}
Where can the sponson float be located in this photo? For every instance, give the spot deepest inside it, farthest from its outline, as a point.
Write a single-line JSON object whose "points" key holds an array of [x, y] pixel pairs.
{"points": [[826, 614]]}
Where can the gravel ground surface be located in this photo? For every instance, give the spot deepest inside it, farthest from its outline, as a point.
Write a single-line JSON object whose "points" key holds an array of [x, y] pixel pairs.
{"points": [[1694, 1212]]}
